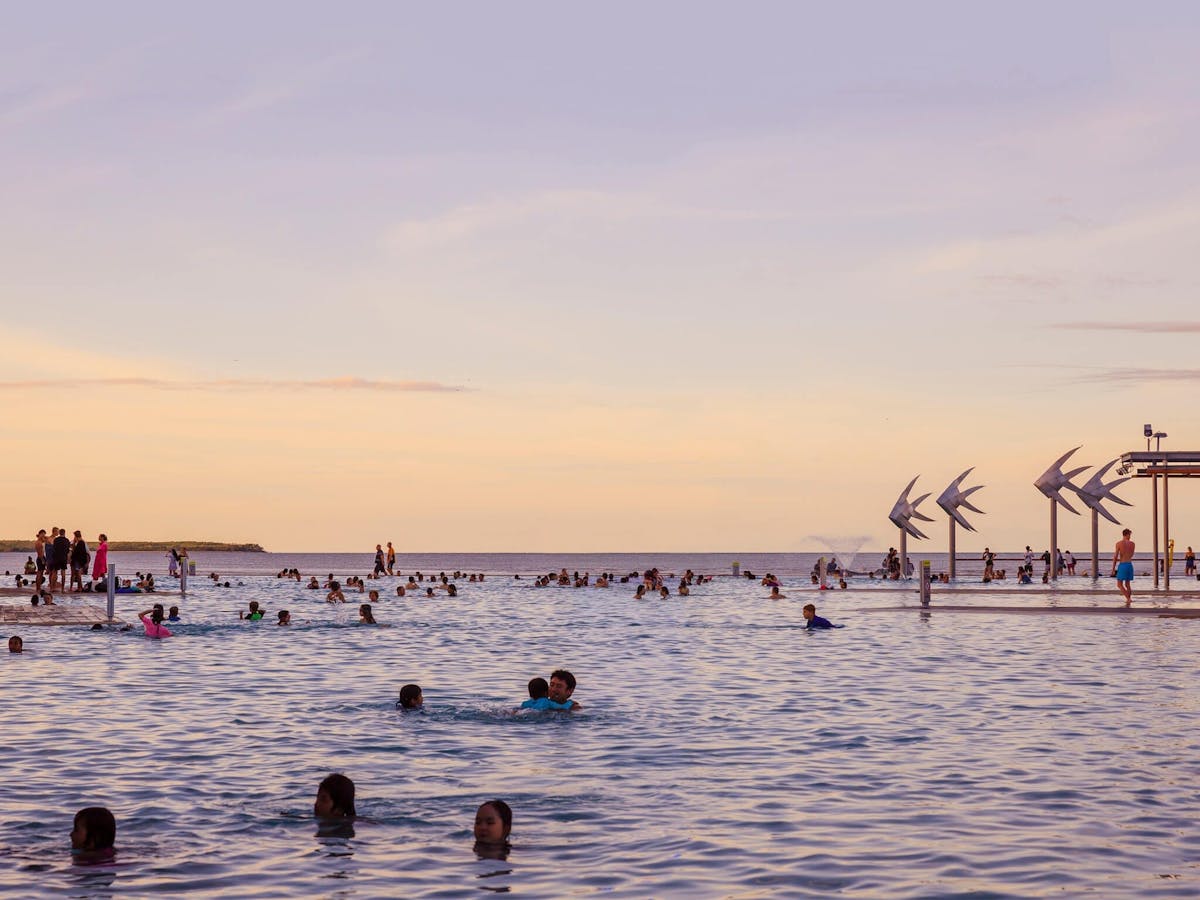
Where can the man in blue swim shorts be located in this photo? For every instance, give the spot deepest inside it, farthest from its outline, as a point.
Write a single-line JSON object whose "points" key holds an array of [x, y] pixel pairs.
{"points": [[1123, 566]]}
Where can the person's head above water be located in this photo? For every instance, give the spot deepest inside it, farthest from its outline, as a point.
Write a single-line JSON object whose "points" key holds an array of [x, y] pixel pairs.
{"points": [[411, 697], [285, 617], [95, 829], [493, 822], [15, 644], [335, 798], [538, 688], [562, 685]]}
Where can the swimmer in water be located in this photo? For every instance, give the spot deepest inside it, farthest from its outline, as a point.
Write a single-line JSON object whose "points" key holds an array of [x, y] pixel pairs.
{"points": [[775, 595], [411, 697], [254, 615], [815, 621], [93, 835], [15, 644], [313, 585], [285, 617], [335, 594], [152, 620], [373, 596], [539, 696], [493, 824], [173, 614], [365, 615], [335, 798]]}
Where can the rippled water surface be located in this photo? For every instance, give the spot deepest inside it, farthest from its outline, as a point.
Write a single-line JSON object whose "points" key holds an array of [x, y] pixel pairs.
{"points": [[722, 750]]}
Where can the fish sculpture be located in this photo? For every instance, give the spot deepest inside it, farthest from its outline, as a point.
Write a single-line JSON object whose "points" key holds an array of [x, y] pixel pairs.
{"points": [[1054, 479], [905, 511], [1094, 491], [954, 496]]}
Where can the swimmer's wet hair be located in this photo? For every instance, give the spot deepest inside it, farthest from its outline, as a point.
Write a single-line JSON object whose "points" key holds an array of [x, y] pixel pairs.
{"points": [[504, 811], [100, 825], [341, 791], [538, 688], [408, 696], [565, 676]]}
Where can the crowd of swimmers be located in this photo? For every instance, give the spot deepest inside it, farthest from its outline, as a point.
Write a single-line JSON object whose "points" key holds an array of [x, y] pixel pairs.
{"points": [[94, 829]]}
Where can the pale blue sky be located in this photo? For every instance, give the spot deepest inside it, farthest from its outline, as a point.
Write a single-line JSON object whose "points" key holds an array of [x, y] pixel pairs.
{"points": [[803, 225]]}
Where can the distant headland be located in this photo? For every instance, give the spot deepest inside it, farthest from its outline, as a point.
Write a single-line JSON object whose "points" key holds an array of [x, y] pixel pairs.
{"points": [[11, 545]]}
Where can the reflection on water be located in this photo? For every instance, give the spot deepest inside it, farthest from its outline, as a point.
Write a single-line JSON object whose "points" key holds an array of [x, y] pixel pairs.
{"points": [[721, 752]]}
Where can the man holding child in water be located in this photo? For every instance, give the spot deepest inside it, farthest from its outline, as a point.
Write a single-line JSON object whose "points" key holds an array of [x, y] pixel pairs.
{"points": [[1123, 566]]}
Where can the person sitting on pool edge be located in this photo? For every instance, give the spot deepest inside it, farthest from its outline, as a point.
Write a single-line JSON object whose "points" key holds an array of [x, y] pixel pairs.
{"points": [[94, 833], [562, 686], [335, 798], [815, 621]]}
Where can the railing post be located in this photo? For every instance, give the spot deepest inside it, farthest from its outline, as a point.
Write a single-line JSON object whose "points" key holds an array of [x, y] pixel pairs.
{"points": [[112, 591]]}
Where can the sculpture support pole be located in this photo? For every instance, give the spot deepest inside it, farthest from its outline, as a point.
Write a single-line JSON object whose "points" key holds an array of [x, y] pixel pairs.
{"points": [[1053, 540], [903, 555], [952, 553], [1095, 545], [1166, 531], [1154, 516]]}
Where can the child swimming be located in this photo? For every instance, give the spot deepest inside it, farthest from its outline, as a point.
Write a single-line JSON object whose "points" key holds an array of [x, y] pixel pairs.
{"points": [[335, 594], [410, 697], [152, 619], [815, 621], [493, 823], [335, 798], [539, 696], [285, 617], [254, 615], [94, 833], [15, 644]]}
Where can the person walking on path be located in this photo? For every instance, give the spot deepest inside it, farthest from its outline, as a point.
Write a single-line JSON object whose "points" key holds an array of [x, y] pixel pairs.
{"points": [[1123, 565], [1189, 562]]}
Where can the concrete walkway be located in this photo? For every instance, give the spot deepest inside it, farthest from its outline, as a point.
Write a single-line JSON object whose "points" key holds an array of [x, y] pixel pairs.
{"points": [[58, 614]]}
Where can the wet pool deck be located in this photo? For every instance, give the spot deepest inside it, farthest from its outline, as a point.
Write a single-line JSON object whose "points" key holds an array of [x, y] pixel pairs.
{"points": [[58, 614]]}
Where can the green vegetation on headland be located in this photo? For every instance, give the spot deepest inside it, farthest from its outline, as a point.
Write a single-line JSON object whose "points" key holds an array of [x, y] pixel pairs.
{"points": [[8, 545]]}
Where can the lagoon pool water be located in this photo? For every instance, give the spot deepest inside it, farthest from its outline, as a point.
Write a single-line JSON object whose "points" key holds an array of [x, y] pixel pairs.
{"points": [[722, 750]]}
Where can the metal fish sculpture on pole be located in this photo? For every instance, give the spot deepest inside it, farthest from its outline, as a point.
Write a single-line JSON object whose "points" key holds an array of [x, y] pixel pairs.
{"points": [[1093, 493], [1051, 483], [950, 500], [902, 514]]}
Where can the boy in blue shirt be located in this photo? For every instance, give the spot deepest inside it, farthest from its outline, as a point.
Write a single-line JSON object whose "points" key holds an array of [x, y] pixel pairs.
{"points": [[815, 621], [539, 696]]}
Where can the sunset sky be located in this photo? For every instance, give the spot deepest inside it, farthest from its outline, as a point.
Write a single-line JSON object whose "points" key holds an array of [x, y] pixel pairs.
{"points": [[632, 276]]}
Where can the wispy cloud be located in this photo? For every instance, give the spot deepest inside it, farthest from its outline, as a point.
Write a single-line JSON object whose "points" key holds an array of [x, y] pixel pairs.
{"points": [[279, 87], [1138, 327], [553, 206], [241, 384], [1133, 375]]}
